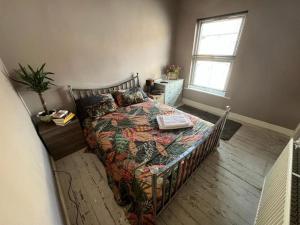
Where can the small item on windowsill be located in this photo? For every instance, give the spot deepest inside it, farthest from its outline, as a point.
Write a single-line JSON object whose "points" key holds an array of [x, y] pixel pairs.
{"points": [[170, 122], [64, 120]]}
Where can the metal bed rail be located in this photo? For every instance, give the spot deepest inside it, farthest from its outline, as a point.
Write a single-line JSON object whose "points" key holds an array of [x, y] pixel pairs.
{"points": [[175, 175]]}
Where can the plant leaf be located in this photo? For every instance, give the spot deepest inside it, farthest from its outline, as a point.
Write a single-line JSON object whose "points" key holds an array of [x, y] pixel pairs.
{"points": [[32, 70], [41, 68], [49, 78], [48, 73], [23, 69], [37, 80], [19, 81]]}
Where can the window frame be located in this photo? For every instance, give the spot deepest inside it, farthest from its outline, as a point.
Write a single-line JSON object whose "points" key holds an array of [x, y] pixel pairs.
{"points": [[217, 58]]}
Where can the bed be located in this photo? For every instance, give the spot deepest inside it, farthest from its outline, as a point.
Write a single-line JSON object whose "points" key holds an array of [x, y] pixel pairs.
{"points": [[146, 166]]}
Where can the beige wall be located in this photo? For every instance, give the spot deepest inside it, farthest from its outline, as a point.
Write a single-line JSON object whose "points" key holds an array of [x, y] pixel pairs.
{"points": [[97, 43], [89, 43], [265, 81], [27, 190]]}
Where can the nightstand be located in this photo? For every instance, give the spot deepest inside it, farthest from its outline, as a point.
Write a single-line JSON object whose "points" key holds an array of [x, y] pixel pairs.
{"points": [[172, 89], [61, 140], [158, 98]]}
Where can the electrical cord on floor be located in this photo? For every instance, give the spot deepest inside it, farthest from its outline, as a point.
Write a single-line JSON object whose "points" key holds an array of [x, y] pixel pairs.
{"points": [[69, 193]]}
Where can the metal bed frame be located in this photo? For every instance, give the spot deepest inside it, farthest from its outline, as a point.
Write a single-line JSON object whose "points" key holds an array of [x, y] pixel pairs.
{"points": [[184, 166], [177, 172], [78, 93]]}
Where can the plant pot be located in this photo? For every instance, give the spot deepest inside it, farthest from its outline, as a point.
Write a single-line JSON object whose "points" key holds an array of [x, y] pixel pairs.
{"points": [[173, 75], [44, 117]]}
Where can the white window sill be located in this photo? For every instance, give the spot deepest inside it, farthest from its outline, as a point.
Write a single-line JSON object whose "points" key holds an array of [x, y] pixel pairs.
{"points": [[209, 92]]}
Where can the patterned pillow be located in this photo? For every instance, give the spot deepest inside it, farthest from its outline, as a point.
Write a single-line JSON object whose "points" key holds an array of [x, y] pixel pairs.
{"points": [[140, 90], [84, 102], [130, 96], [105, 104]]}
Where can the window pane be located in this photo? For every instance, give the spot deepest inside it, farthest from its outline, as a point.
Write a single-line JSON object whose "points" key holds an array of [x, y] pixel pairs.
{"points": [[219, 37], [211, 74]]}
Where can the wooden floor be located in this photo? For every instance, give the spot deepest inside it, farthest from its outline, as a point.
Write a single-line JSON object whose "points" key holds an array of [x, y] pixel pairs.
{"points": [[224, 190]]}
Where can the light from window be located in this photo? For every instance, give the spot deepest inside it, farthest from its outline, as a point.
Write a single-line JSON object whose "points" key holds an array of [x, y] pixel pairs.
{"points": [[215, 49], [215, 74]]}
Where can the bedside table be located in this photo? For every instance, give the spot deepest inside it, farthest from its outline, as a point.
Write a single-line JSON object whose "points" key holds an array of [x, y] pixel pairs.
{"points": [[61, 140], [172, 89], [158, 98]]}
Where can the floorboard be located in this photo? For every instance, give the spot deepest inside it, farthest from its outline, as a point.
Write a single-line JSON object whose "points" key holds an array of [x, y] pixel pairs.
{"points": [[225, 190]]}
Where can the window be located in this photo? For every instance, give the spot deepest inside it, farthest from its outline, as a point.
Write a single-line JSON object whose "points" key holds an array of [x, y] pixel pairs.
{"points": [[215, 47]]}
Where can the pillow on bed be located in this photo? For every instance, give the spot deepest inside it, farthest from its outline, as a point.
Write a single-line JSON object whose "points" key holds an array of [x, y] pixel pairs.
{"points": [[95, 106], [130, 96], [100, 109]]}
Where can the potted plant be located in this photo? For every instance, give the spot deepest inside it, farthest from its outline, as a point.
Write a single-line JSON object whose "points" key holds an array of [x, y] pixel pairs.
{"points": [[37, 81], [172, 72]]}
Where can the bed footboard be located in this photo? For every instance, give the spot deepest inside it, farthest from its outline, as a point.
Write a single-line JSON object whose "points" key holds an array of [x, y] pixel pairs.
{"points": [[177, 173]]}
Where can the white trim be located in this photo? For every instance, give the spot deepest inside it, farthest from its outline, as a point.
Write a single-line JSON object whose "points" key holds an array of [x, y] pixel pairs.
{"points": [[239, 118], [205, 90], [196, 56], [297, 132], [287, 206]]}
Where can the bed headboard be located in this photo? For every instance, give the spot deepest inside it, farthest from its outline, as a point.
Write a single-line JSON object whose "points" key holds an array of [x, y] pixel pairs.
{"points": [[78, 93]]}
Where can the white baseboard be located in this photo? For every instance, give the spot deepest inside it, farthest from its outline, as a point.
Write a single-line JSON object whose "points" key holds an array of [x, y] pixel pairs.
{"points": [[297, 132], [239, 118]]}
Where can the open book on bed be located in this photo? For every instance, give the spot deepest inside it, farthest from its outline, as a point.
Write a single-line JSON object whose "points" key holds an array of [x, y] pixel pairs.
{"points": [[176, 121]]}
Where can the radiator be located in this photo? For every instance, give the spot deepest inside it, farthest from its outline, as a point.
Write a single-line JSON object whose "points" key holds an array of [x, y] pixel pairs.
{"points": [[279, 200]]}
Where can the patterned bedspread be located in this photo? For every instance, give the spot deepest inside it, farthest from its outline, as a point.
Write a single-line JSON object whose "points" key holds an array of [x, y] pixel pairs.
{"points": [[132, 148]]}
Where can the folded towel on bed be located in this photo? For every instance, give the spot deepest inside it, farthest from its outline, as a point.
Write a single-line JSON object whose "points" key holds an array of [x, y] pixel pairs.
{"points": [[175, 121]]}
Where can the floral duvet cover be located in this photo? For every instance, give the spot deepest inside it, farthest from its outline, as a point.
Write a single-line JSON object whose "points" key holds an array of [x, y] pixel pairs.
{"points": [[132, 148]]}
